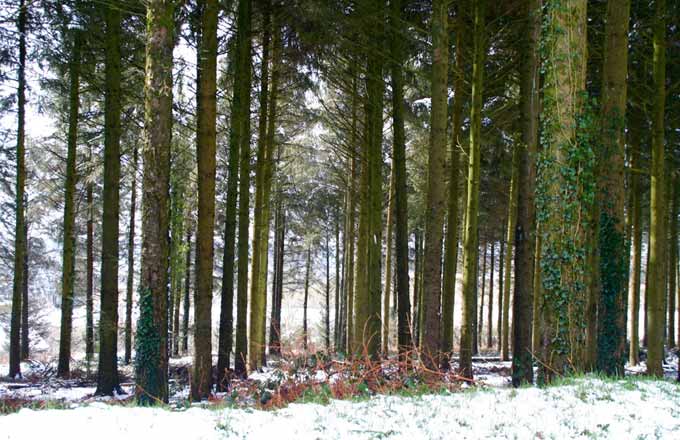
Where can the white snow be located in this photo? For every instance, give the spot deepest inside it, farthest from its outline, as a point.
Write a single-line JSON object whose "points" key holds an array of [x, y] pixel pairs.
{"points": [[586, 408]]}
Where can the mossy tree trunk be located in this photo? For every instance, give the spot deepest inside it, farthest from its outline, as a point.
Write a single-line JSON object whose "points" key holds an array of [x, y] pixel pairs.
{"points": [[565, 191], [656, 304], [151, 362], [612, 310], [471, 242]]}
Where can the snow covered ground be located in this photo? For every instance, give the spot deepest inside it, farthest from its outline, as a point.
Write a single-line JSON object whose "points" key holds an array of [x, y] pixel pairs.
{"points": [[582, 408]]}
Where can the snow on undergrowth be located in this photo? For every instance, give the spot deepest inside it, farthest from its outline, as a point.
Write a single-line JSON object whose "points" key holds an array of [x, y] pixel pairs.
{"points": [[578, 408]]}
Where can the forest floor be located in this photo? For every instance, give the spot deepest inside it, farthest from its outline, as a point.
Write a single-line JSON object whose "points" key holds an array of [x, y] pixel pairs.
{"points": [[299, 401]]}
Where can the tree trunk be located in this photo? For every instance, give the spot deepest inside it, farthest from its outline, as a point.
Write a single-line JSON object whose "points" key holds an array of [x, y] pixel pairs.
{"points": [[388, 269], [436, 200], [107, 378], [510, 239], [201, 383], [452, 226], [400, 177], [350, 228], [25, 342], [501, 275], [489, 316], [89, 289], [635, 127], [327, 317], [480, 319], [68, 255], [656, 305], [258, 287], [471, 241], [277, 290], [131, 259], [537, 306], [416, 289], [524, 234], [151, 362], [244, 62], [19, 237], [305, 335], [564, 192], [187, 290], [672, 259], [336, 316], [612, 310]]}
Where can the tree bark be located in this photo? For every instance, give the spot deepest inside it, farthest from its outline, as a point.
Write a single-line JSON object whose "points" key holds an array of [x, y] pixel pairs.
{"points": [[471, 241], [68, 251], [524, 234], [201, 384], [635, 127], [89, 289], [19, 237], [656, 304], [305, 332], [151, 363], [107, 378], [131, 260], [436, 200], [510, 240], [489, 316], [388, 269], [612, 310]]}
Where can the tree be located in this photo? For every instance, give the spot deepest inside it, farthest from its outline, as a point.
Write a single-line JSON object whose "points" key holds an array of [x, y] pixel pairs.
{"points": [[656, 301], [107, 377], [399, 170], [635, 128], [470, 242], [131, 259], [19, 237], [612, 311], [206, 109], [565, 191], [151, 364], [436, 200], [68, 252], [525, 230]]}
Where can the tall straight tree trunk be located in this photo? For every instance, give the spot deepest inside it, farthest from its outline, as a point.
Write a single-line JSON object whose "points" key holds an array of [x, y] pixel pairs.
{"points": [[612, 310], [524, 234], [672, 259], [489, 316], [416, 288], [338, 253], [131, 259], [501, 275], [537, 322], [25, 341], [277, 290], [471, 242], [351, 228], [564, 190], [656, 304], [258, 287], [635, 128], [400, 177], [68, 251], [327, 317], [201, 384], [107, 377], [510, 239], [187, 292], [151, 363], [452, 226], [89, 288], [436, 199], [388, 269], [19, 237], [244, 61], [305, 332], [480, 319], [645, 315]]}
